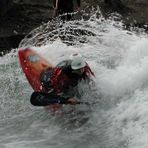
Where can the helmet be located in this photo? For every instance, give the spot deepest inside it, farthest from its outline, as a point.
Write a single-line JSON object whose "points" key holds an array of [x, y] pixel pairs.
{"points": [[77, 61]]}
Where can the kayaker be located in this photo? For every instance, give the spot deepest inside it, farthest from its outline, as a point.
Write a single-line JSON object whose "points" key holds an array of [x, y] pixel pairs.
{"points": [[61, 80]]}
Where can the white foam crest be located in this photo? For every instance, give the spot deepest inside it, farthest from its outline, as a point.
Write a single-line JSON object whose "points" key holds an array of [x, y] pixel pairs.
{"points": [[129, 120], [126, 87], [137, 52], [120, 62], [130, 74]]}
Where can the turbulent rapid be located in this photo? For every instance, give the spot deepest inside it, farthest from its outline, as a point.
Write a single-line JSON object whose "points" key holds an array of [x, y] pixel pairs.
{"points": [[118, 119]]}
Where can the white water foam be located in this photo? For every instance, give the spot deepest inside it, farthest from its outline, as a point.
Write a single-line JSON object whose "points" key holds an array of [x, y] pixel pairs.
{"points": [[119, 59]]}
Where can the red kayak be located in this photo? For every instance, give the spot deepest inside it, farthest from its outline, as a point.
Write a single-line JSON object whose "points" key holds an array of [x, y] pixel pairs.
{"points": [[33, 66]]}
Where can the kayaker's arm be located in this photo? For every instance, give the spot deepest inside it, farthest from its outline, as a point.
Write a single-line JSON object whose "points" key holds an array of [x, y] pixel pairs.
{"points": [[44, 99]]}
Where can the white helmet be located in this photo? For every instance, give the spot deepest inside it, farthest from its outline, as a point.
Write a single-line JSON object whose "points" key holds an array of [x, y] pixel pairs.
{"points": [[77, 61]]}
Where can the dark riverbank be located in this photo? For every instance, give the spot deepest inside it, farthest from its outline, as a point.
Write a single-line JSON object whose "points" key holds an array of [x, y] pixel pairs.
{"points": [[20, 17], [19, 20]]}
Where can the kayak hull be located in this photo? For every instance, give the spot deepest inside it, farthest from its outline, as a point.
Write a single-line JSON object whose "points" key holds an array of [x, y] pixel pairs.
{"points": [[33, 65]]}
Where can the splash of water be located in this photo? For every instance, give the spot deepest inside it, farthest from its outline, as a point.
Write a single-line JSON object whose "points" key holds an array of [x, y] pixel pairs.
{"points": [[119, 59]]}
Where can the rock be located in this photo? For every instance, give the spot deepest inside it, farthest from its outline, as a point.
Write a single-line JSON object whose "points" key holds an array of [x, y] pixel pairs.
{"points": [[144, 2], [19, 17], [33, 2], [138, 12], [133, 12], [9, 43], [5, 5]]}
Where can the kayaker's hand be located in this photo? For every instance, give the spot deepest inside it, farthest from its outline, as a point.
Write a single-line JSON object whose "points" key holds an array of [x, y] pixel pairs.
{"points": [[72, 101]]}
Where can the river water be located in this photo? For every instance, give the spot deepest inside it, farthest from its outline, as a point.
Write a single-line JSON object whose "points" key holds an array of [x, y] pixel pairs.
{"points": [[118, 119]]}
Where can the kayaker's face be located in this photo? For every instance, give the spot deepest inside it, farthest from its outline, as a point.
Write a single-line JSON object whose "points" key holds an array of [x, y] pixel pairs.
{"points": [[79, 71]]}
